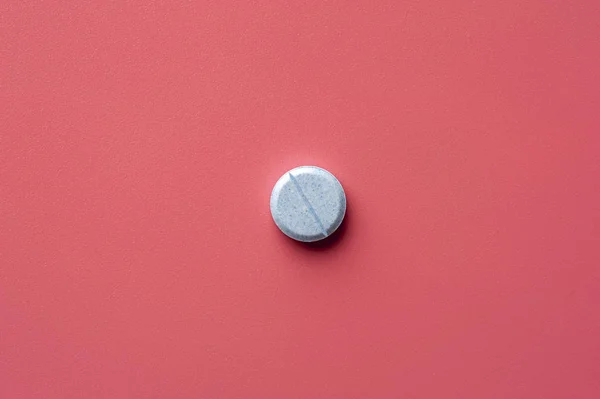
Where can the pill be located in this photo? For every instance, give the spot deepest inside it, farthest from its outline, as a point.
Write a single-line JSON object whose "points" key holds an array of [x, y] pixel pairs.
{"points": [[308, 203]]}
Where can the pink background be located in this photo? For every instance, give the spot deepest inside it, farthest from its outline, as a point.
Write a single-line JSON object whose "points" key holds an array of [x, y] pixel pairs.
{"points": [[140, 140]]}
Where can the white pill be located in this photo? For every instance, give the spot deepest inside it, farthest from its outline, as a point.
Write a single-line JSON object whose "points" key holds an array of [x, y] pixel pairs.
{"points": [[308, 203]]}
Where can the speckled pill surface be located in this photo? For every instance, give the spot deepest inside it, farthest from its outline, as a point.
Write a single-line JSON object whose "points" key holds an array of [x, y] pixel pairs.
{"points": [[308, 203]]}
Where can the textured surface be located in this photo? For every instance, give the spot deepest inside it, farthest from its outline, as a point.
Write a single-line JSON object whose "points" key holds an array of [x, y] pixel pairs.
{"points": [[308, 203], [139, 144]]}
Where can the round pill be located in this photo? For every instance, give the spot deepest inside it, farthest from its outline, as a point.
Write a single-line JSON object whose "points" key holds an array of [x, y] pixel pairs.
{"points": [[308, 203]]}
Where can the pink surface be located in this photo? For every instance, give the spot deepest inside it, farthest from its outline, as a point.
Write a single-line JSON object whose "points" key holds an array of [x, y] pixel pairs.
{"points": [[139, 142]]}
